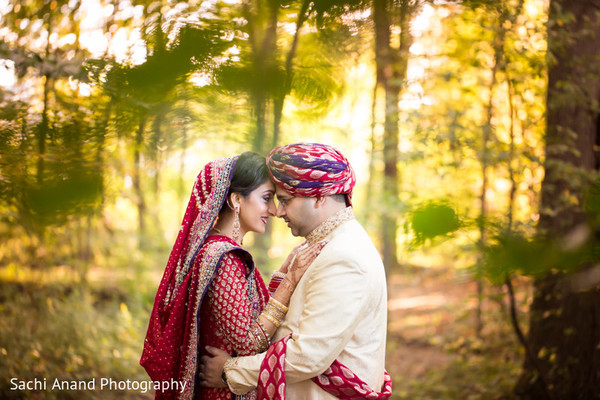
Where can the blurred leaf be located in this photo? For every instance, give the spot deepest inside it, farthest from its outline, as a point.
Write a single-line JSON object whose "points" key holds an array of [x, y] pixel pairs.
{"points": [[536, 257], [434, 219], [592, 199], [54, 200]]}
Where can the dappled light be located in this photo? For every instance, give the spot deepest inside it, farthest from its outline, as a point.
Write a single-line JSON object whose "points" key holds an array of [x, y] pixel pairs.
{"points": [[421, 302]]}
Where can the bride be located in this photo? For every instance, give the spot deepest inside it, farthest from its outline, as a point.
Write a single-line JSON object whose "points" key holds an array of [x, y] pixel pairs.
{"points": [[211, 294]]}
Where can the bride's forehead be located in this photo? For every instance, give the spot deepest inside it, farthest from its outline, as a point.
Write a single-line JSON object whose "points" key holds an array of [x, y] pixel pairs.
{"points": [[267, 186]]}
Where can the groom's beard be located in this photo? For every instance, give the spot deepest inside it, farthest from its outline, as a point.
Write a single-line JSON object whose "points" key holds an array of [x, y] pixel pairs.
{"points": [[293, 228]]}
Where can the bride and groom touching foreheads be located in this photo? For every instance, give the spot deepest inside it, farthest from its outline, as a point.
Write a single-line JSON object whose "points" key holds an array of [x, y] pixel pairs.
{"points": [[317, 330]]}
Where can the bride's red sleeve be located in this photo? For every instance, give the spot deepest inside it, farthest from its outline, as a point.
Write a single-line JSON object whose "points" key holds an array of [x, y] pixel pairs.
{"points": [[235, 305]]}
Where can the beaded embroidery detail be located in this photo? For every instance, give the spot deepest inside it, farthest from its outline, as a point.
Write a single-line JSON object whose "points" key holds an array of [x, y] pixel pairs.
{"points": [[329, 225], [206, 272]]}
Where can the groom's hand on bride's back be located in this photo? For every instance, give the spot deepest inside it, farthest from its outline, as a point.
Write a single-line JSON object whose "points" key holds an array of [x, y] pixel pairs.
{"points": [[210, 371]]}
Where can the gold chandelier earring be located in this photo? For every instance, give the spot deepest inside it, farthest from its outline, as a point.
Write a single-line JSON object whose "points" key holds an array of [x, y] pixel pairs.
{"points": [[236, 225]]}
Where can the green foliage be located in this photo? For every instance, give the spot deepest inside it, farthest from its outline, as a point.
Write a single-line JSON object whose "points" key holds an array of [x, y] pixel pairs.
{"points": [[81, 210], [432, 220], [244, 77], [328, 10], [516, 254], [592, 201], [77, 192], [315, 82], [69, 333], [71, 183], [538, 257], [476, 377], [151, 82]]}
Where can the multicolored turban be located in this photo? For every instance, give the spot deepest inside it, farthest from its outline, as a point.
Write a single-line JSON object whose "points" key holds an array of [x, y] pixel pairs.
{"points": [[311, 170]]}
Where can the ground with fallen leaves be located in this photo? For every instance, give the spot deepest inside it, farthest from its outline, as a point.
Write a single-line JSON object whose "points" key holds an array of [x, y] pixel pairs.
{"points": [[433, 349]]}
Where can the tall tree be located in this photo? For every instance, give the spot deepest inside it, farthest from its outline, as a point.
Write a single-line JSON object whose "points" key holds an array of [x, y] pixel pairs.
{"points": [[274, 65], [565, 323], [262, 18], [392, 67]]}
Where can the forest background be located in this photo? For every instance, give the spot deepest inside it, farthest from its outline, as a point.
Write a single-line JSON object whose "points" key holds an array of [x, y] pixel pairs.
{"points": [[472, 126]]}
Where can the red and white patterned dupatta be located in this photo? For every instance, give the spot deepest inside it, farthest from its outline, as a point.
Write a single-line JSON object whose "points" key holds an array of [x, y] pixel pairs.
{"points": [[338, 380], [171, 345]]}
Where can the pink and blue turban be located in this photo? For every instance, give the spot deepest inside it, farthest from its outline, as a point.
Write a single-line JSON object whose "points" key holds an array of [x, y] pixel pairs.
{"points": [[311, 170]]}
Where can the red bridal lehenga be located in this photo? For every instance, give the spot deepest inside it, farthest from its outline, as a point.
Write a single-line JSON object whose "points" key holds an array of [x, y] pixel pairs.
{"points": [[229, 311], [210, 294]]}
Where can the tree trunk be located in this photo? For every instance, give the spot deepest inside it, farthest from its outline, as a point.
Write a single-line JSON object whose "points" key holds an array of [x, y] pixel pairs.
{"points": [[260, 129], [155, 151], [262, 19], [511, 154], [383, 62], [366, 213], [485, 162], [262, 243], [391, 73], [44, 127], [565, 324], [137, 184], [262, 29], [279, 99], [181, 188], [101, 138]]}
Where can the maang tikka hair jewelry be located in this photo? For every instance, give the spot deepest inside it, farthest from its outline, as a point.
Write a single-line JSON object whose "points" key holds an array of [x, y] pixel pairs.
{"points": [[236, 225]]}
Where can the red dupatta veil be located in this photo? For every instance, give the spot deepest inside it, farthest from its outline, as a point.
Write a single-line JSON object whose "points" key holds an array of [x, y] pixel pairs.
{"points": [[171, 345]]}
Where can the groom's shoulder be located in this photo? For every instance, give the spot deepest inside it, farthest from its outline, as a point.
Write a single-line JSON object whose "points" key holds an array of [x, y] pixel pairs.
{"points": [[352, 231], [353, 242]]}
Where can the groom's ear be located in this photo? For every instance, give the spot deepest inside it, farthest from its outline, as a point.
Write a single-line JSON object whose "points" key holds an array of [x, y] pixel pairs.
{"points": [[320, 201]]}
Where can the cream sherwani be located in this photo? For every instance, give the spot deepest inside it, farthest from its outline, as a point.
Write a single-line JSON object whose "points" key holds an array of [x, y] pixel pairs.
{"points": [[338, 311]]}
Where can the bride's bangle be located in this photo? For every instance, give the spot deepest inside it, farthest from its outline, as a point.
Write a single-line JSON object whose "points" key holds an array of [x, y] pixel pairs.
{"points": [[278, 275], [278, 305]]}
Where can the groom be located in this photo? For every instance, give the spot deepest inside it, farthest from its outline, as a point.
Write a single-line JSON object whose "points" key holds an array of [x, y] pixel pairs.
{"points": [[337, 314]]}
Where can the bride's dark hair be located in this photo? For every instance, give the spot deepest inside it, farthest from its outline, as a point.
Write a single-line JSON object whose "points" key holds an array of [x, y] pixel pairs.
{"points": [[250, 172]]}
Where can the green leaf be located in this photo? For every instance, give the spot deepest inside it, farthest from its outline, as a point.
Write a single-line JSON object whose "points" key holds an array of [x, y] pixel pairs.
{"points": [[434, 219]]}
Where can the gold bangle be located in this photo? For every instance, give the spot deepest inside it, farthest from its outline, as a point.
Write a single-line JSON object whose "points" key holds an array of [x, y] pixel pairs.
{"points": [[274, 311], [271, 319], [279, 305]]}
